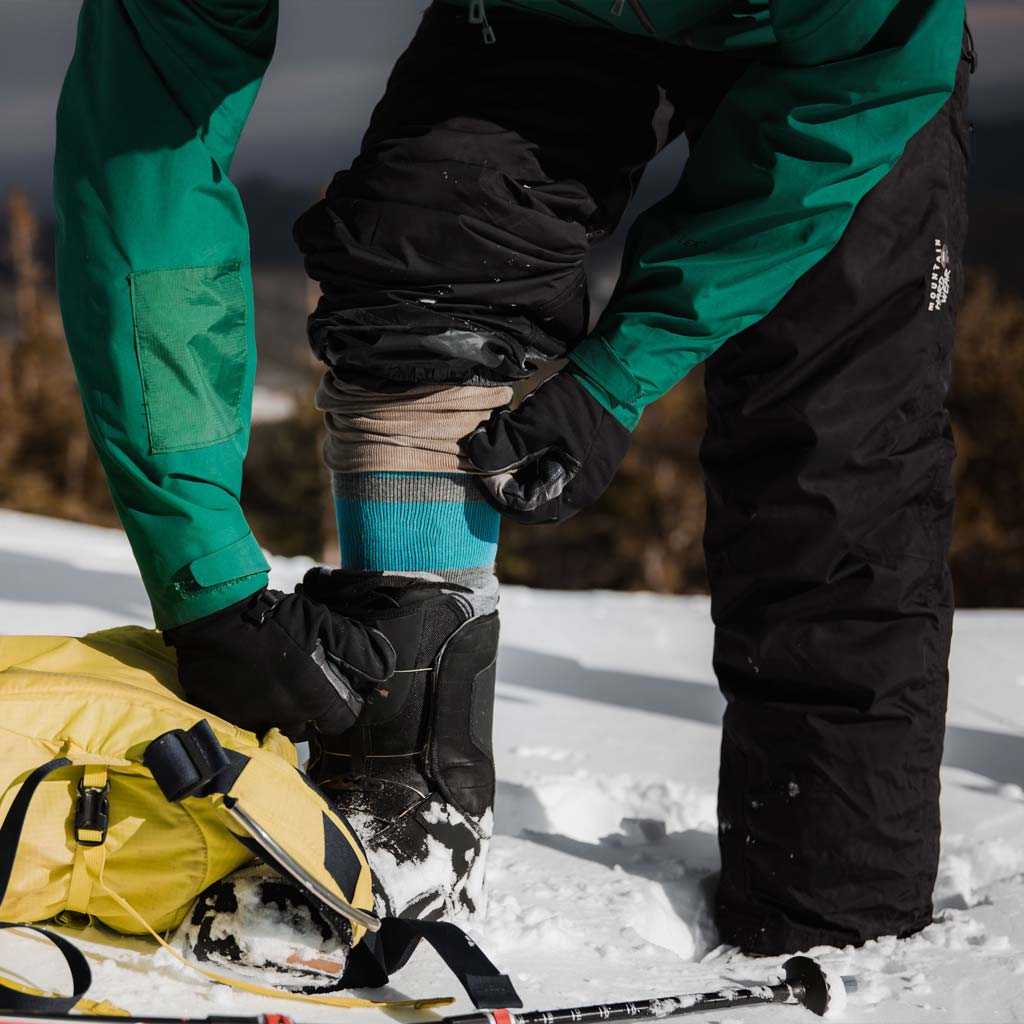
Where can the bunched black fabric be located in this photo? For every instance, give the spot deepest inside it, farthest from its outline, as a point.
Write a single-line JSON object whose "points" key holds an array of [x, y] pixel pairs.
{"points": [[551, 457], [452, 250], [280, 660]]}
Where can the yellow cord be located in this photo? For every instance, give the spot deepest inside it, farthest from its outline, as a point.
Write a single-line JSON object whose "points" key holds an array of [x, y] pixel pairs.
{"points": [[263, 990]]}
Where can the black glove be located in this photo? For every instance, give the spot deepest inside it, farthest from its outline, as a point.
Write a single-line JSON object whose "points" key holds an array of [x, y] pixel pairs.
{"points": [[281, 660], [555, 454]]}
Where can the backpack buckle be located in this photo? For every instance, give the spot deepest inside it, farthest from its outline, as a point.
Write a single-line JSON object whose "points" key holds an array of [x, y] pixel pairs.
{"points": [[191, 763], [92, 814]]}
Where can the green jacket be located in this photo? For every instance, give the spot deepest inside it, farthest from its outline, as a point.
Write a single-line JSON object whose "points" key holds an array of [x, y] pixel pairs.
{"points": [[836, 90], [153, 255], [154, 282]]}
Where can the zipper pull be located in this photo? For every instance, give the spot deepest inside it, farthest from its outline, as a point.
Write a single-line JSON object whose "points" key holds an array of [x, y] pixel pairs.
{"points": [[264, 605], [967, 51], [478, 16], [642, 16]]}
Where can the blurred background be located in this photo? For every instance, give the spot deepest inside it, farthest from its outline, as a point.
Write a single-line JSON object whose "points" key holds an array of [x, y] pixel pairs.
{"points": [[332, 61]]}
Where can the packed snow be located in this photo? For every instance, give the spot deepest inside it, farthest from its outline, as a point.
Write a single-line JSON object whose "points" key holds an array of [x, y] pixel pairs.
{"points": [[607, 732]]}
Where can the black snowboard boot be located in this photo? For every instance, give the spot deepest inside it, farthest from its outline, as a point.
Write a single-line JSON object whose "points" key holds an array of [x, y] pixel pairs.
{"points": [[415, 775]]}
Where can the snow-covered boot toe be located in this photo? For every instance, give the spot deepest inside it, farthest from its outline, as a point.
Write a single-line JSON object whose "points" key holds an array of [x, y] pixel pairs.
{"points": [[415, 775], [261, 926]]}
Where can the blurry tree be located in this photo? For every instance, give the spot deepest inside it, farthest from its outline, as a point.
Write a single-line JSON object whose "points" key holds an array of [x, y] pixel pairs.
{"points": [[286, 490], [47, 464], [986, 403], [644, 534]]}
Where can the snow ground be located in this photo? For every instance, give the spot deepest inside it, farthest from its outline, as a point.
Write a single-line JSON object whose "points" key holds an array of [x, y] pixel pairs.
{"points": [[607, 740]]}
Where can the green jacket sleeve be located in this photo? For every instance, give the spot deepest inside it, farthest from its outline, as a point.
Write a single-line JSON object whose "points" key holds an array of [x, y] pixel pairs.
{"points": [[154, 280], [770, 186]]}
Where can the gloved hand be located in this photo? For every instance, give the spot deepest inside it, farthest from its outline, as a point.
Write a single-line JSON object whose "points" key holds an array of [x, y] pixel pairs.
{"points": [[281, 660], [551, 457]]}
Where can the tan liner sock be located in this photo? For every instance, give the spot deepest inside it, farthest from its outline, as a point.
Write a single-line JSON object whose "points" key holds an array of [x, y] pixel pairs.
{"points": [[414, 431]]}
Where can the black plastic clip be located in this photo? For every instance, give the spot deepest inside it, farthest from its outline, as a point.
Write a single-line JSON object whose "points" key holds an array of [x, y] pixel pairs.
{"points": [[92, 813], [258, 611]]}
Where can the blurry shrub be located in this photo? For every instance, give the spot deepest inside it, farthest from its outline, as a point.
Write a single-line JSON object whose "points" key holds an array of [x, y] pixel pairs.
{"points": [[986, 402], [644, 534], [286, 490], [47, 464]]}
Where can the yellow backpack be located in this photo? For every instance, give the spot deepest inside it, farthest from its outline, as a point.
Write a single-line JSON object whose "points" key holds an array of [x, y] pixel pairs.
{"points": [[120, 802]]}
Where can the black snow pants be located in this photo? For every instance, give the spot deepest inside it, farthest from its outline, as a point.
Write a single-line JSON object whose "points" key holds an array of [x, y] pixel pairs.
{"points": [[453, 250]]}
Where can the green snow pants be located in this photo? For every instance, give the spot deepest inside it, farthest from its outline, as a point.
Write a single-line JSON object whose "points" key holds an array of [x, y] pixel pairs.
{"points": [[154, 280]]}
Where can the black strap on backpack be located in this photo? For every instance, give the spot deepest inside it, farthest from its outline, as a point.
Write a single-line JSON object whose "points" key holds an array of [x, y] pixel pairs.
{"points": [[378, 956], [371, 962], [10, 835], [194, 763]]}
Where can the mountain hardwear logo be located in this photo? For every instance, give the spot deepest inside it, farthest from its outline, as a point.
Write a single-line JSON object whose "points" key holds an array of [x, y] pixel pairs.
{"points": [[938, 290]]}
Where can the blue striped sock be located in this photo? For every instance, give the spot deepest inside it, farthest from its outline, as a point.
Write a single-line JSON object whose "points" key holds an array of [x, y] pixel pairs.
{"points": [[435, 523]]}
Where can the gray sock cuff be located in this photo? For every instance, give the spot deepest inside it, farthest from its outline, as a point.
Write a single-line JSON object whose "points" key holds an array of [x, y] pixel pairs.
{"points": [[453, 487]]}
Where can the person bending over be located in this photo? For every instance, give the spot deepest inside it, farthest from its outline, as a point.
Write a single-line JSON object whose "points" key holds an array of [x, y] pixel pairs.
{"points": [[810, 258]]}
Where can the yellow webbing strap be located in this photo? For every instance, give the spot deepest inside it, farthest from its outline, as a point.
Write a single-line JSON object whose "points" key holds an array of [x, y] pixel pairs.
{"points": [[264, 990], [89, 860], [86, 1006], [104, 1008]]}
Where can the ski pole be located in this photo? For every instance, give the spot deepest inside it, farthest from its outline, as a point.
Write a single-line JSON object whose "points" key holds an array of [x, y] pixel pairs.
{"points": [[804, 982], [29, 1017]]}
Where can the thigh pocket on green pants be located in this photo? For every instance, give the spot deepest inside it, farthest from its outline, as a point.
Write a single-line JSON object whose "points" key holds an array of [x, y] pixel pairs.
{"points": [[191, 346]]}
